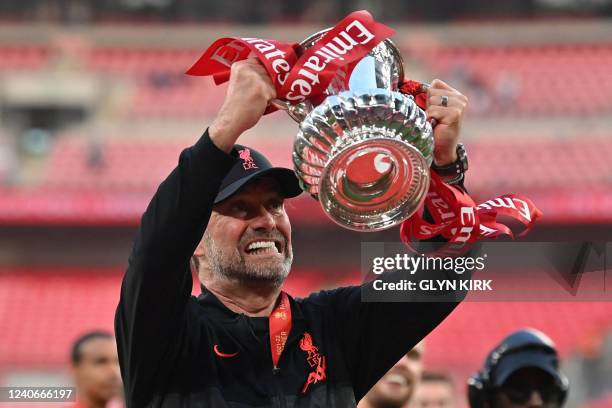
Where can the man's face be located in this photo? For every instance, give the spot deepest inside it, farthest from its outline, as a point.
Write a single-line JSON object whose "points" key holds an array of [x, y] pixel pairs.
{"points": [[248, 237], [397, 386], [528, 388], [434, 394], [97, 373]]}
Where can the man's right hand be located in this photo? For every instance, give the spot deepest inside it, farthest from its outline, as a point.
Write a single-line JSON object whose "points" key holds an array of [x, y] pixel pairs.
{"points": [[249, 91]]}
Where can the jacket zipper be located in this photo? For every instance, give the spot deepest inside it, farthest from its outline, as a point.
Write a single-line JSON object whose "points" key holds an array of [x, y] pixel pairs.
{"points": [[279, 387]]}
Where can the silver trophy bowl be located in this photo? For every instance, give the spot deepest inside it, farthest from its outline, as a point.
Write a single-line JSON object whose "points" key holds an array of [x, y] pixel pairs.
{"points": [[365, 151]]}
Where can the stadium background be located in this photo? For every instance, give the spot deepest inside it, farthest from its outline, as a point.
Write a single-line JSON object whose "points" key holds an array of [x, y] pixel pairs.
{"points": [[95, 109]]}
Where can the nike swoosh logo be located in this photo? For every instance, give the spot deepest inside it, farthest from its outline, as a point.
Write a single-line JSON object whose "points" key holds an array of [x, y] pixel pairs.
{"points": [[224, 355]]}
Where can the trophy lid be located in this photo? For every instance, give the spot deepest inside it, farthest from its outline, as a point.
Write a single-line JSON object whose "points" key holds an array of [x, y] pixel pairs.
{"points": [[383, 63], [381, 68]]}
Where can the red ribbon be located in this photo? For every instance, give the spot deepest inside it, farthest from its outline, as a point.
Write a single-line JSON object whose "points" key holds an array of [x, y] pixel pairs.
{"points": [[349, 41], [280, 326], [297, 79], [307, 76], [276, 56], [456, 217], [416, 89]]}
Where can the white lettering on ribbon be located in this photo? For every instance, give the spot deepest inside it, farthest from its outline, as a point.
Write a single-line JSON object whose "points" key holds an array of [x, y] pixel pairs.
{"points": [[221, 54], [486, 231], [279, 65], [354, 34], [368, 36], [523, 209], [440, 205], [467, 219]]}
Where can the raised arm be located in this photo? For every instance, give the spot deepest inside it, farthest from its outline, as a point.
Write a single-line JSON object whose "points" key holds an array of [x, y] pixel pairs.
{"points": [[152, 318]]}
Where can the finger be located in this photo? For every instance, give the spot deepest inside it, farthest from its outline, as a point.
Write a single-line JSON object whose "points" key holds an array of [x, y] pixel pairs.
{"points": [[263, 75], [457, 101], [259, 69], [439, 84], [444, 91], [271, 92], [436, 96], [253, 60], [265, 88], [447, 116], [269, 89], [258, 66], [249, 64]]}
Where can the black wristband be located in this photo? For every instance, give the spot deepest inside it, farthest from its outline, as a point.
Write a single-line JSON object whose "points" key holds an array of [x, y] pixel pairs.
{"points": [[455, 169]]}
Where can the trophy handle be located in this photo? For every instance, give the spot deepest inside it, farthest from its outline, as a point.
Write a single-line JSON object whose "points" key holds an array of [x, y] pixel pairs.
{"points": [[279, 104], [424, 88], [298, 112]]}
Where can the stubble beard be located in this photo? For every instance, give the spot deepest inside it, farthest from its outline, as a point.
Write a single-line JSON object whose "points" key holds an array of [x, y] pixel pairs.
{"points": [[232, 266]]}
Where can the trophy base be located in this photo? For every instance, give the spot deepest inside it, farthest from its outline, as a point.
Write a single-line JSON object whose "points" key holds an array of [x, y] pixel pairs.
{"points": [[374, 184]]}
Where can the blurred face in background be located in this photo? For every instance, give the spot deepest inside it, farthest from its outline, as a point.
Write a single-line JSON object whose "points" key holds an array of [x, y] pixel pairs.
{"points": [[397, 386], [528, 388], [434, 393], [96, 373]]}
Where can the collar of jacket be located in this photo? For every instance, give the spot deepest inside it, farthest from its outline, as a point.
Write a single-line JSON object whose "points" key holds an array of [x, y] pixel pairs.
{"points": [[218, 309]]}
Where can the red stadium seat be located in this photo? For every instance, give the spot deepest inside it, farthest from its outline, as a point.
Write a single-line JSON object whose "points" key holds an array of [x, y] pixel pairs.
{"points": [[42, 311], [23, 57], [546, 79]]}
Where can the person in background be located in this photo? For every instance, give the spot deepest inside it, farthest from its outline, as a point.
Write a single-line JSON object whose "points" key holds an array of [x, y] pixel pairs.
{"points": [[398, 385], [436, 390], [521, 372], [95, 370]]}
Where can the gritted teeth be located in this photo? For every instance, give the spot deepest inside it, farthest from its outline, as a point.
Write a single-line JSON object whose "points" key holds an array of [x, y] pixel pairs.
{"points": [[262, 245]]}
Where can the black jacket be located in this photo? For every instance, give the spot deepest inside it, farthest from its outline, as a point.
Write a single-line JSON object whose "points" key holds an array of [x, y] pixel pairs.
{"points": [[166, 337]]}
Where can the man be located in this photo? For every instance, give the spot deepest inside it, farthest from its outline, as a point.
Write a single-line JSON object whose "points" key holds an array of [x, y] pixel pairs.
{"points": [[244, 342], [397, 386], [436, 390], [521, 372], [95, 369]]}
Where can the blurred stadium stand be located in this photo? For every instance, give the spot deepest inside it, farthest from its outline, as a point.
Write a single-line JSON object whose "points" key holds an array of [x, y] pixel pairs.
{"points": [[23, 57], [533, 80], [93, 116], [44, 308]]}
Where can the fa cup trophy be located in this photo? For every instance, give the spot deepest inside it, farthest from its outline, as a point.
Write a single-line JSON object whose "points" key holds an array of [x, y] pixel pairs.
{"points": [[364, 146], [365, 151]]}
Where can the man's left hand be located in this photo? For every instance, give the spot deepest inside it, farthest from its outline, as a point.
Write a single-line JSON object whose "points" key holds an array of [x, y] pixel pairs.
{"points": [[449, 117]]}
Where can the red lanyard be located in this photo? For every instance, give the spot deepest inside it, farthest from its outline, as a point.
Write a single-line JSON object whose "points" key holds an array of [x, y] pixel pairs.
{"points": [[280, 326]]}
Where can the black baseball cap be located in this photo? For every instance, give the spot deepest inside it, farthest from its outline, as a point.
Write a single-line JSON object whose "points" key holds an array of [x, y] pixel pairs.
{"points": [[522, 349], [540, 359], [251, 165]]}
